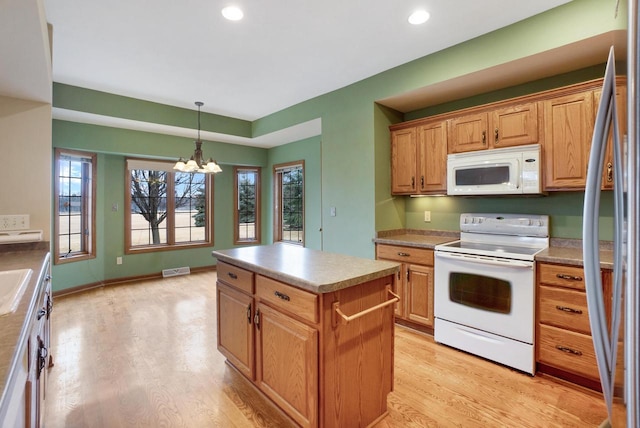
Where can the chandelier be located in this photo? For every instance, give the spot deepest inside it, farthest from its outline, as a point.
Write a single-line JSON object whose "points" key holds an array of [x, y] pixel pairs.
{"points": [[197, 163]]}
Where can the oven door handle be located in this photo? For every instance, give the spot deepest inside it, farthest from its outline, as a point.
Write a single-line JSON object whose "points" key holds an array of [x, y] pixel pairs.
{"points": [[485, 260]]}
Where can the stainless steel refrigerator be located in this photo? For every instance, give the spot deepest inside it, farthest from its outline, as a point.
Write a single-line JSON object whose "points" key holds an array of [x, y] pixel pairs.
{"points": [[615, 338]]}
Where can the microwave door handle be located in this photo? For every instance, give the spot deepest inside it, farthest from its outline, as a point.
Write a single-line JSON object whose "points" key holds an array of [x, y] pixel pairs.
{"points": [[519, 175]]}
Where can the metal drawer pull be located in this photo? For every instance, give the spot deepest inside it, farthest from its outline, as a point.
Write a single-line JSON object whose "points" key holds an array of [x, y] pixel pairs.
{"points": [[282, 296], [232, 275], [339, 316], [570, 310], [569, 277], [568, 350], [401, 254]]}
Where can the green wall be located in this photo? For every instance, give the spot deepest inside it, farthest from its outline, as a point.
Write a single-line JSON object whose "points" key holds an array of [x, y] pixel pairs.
{"points": [[347, 167]]}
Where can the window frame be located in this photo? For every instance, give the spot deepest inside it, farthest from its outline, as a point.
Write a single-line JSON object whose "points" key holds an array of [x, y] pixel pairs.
{"points": [[170, 245], [236, 214], [277, 201], [88, 208]]}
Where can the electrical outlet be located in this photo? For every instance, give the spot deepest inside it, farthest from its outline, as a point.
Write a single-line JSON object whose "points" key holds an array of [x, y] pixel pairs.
{"points": [[427, 216], [332, 211], [14, 222], [118, 260]]}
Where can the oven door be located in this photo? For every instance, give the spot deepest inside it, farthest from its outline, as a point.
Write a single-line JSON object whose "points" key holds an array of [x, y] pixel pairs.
{"points": [[486, 293]]}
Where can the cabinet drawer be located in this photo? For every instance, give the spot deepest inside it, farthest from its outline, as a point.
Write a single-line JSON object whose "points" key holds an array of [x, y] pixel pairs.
{"points": [[563, 276], [568, 351], [235, 276], [291, 299], [402, 254], [564, 308]]}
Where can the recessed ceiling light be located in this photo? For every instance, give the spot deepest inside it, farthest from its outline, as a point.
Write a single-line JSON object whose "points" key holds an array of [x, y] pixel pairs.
{"points": [[232, 13], [419, 17]]}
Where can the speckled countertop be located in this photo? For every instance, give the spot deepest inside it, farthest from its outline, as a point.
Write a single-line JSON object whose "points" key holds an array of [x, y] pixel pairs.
{"points": [[14, 326], [312, 270], [560, 251], [415, 239]]}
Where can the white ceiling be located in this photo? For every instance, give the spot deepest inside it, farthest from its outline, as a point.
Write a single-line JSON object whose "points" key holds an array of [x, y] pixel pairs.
{"points": [[283, 52]]}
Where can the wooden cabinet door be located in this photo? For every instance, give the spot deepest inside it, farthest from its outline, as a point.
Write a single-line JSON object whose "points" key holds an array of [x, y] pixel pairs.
{"points": [[235, 328], [568, 128], [403, 161], [287, 364], [432, 158], [468, 133], [420, 295], [515, 125], [621, 98]]}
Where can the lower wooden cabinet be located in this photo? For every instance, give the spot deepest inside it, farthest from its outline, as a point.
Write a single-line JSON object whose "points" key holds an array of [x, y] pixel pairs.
{"points": [[564, 339], [294, 348], [287, 360], [235, 328], [414, 284]]}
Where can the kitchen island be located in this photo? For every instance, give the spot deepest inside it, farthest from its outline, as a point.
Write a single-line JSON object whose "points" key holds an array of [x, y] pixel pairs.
{"points": [[312, 330]]}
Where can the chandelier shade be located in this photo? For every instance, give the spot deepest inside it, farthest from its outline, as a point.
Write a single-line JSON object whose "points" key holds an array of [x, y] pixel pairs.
{"points": [[196, 162]]}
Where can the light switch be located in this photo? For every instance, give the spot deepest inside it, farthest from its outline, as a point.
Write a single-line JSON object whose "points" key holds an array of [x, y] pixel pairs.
{"points": [[332, 210]]}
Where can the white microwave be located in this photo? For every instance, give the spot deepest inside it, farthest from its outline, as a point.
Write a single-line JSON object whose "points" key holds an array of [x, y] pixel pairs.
{"points": [[508, 171]]}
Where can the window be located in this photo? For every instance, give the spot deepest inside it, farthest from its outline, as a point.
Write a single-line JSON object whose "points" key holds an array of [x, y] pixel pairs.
{"points": [[289, 202], [166, 209], [75, 205], [246, 215]]}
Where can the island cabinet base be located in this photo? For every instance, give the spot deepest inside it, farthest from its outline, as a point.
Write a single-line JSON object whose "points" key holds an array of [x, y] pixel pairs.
{"points": [[325, 359], [357, 357]]}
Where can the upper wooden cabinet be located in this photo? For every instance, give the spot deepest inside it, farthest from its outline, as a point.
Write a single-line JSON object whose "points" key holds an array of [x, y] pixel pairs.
{"points": [[621, 102], [419, 159], [403, 161], [432, 158], [568, 127], [468, 133], [560, 120], [511, 125], [515, 125]]}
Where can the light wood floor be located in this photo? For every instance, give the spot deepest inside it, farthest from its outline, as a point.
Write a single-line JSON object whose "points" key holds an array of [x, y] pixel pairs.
{"points": [[144, 355]]}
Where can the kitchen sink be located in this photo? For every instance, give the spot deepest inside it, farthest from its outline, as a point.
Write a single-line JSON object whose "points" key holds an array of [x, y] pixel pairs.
{"points": [[12, 286]]}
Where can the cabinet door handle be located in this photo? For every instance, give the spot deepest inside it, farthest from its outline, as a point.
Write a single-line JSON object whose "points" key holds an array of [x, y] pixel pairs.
{"points": [[568, 277], [484, 138], [568, 350], [609, 172], [249, 313], [422, 182], [496, 133], [256, 319], [413, 182], [567, 309], [43, 352], [282, 296], [232, 275], [49, 305]]}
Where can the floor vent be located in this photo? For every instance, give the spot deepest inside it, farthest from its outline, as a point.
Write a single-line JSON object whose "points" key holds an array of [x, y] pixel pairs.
{"points": [[167, 273]]}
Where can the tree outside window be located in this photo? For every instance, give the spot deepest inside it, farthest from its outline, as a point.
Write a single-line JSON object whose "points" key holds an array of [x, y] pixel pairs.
{"points": [[167, 209], [247, 207], [289, 202]]}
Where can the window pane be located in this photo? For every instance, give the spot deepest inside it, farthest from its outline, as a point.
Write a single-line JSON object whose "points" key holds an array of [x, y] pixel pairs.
{"points": [[148, 207], [167, 208], [291, 215], [73, 222], [190, 215], [246, 191]]}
